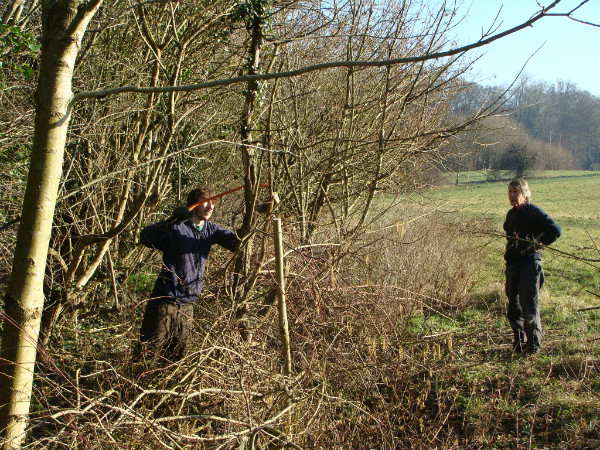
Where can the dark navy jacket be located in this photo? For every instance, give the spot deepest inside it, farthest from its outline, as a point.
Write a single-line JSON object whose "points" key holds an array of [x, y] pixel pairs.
{"points": [[529, 223], [185, 251]]}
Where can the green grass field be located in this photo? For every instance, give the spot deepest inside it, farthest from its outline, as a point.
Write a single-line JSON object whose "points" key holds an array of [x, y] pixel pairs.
{"points": [[491, 176], [550, 400], [571, 200]]}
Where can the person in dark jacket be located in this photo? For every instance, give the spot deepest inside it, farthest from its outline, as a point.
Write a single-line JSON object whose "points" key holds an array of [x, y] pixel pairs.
{"points": [[185, 240], [528, 229]]}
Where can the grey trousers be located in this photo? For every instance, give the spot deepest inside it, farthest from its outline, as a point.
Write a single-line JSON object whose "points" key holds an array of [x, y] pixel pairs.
{"points": [[523, 283]]}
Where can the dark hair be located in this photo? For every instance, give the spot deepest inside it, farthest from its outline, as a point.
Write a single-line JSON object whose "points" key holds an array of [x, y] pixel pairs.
{"points": [[195, 195]]}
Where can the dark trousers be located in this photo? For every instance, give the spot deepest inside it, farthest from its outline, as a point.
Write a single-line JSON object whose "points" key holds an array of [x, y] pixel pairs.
{"points": [[523, 283], [167, 328]]}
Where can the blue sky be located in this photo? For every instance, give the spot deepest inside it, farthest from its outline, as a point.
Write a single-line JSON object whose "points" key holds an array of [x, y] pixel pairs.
{"points": [[569, 50]]}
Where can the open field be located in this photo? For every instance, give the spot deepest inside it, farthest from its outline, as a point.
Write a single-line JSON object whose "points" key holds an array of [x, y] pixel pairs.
{"points": [[571, 200], [479, 176], [550, 400]]}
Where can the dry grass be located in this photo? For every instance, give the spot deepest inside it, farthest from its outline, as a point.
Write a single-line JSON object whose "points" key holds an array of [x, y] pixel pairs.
{"points": [[391, 349]]}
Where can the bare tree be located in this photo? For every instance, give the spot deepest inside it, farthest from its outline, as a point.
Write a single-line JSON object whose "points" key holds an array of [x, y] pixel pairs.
{"points": [[336, 161], [141, 149], [24, 298]]}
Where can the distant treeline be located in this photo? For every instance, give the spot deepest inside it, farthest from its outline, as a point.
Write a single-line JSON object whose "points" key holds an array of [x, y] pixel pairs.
{"points": [[542, 125]]}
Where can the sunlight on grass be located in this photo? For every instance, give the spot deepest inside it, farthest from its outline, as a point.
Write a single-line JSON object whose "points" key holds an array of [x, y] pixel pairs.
{"points": [[571, 199], [550, 397]]}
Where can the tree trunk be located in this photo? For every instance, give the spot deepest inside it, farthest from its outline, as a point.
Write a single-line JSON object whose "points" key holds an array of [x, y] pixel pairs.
{"points": [[246, 147], [242, 280], [63, 25]]}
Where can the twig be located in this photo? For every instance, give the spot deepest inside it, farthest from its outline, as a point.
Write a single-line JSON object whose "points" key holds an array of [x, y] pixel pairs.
{"points": [[588, 309]]}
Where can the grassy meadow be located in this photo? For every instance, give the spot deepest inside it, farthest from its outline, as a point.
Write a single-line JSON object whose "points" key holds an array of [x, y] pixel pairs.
{"points": [[570, 199], [548, 400]]}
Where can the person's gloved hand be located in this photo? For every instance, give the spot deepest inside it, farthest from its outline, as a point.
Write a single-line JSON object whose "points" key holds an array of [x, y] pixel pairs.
{"points": [[180, 214], [264, 208], [535, 246]]}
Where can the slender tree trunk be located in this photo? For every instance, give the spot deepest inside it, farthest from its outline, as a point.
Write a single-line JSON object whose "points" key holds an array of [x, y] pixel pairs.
{"points": [[63, 24], [242, 281], [247, 151], [281, 298], [246, 147]]}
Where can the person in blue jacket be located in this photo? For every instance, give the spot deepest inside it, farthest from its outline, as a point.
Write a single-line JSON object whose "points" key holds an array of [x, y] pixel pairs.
{"points": [[185, 240], [528, 229]]}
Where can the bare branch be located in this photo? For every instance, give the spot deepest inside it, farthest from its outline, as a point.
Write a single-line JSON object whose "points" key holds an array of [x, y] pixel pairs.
{"points": [[316, 67]]}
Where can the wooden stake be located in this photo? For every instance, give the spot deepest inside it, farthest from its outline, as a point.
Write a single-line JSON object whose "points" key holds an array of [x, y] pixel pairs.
{"points": [[281, 300]]}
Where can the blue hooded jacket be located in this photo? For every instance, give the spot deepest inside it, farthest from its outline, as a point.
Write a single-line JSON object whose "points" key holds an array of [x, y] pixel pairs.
{"points": [[185, 250]]}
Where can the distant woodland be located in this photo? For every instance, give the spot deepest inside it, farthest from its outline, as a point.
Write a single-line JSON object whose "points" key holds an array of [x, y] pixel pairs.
{"points": [[543, 125]]}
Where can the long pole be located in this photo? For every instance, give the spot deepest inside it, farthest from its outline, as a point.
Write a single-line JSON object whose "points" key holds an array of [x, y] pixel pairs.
{"points": [[281, 300]]}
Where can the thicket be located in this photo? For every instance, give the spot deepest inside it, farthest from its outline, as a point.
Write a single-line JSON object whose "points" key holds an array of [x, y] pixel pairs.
{"points": [[364, 281], [327, 143], [362, 356]]}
